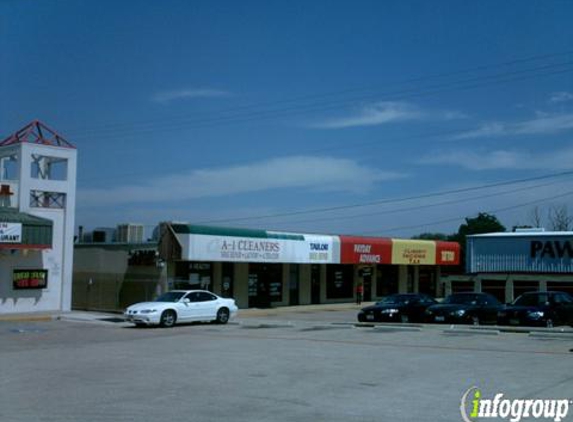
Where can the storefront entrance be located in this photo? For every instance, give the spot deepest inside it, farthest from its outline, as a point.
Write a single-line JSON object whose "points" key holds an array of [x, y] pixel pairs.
{"points": [[366, 274], [294, 285], [265, 285], [315, 284]]}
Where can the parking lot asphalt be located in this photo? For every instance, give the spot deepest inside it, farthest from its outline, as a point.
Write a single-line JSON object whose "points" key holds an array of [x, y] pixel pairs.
{"points": [[305, 364]]}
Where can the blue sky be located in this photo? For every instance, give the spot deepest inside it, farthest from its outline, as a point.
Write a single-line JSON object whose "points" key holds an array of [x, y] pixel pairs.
{"points": [[303, 116]]}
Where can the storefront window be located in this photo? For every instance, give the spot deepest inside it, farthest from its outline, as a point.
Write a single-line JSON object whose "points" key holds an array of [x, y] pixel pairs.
{"points": [[193, 275], [339, 282], [427, 281], [294, 284], [227, 282], [265, 284], [387, 277]]}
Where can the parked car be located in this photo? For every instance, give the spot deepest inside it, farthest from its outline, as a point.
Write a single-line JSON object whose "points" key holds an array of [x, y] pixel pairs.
{"points": [[398, 307], [465, 308], [544, 309], [182, 306]]}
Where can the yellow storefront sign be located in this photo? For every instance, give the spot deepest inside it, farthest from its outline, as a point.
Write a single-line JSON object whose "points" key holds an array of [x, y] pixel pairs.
{"points": [[413, 252]]}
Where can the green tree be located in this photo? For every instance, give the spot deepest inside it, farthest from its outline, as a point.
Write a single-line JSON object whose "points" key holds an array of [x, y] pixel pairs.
{"points": [[431, 236], [483, 223]]}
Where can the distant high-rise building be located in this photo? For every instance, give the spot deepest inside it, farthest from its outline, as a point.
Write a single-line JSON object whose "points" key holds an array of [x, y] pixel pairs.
{"points": [[129, 233], [103, 235]]}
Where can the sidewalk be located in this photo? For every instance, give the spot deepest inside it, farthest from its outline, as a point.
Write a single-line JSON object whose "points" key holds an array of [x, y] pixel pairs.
{"points": [[117, 317], [28, 317], [327, 307]]}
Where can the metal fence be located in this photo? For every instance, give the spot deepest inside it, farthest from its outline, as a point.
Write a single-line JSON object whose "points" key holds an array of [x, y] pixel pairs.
{"points": [[112, 295]]}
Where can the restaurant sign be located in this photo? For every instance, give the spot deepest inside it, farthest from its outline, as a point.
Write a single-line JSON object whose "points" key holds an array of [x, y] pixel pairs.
{"points": [[10, 232]]}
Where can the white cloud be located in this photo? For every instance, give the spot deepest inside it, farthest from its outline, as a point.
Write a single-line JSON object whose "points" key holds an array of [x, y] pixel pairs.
{"points": [[542, 124], [561, 97], [503, 159], [300, 172], [182, 94], [485, 131], [383, 113], [545, 124]]}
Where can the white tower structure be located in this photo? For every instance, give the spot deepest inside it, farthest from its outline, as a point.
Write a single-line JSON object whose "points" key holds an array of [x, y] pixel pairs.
{"points": [[37, 202]]}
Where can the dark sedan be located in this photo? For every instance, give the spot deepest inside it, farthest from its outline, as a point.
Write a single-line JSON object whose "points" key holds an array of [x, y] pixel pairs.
{"points": [[543, 309], [465, 308], [397, 308]]}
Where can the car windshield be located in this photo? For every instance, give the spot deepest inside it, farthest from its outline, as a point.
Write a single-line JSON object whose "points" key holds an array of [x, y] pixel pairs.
{"points": [[170, 297], [531, 300], [462, 299], [397, 300]]}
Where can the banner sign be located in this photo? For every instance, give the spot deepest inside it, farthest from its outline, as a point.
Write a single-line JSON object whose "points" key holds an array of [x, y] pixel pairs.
{"points": [[447, 253], [309, 249], [542, 253], [10, 232], [413, 252], [365, 250], [30, 279]]}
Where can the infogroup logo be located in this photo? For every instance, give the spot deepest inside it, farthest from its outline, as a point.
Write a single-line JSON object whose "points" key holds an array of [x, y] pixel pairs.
{"points": [[474, 406]]}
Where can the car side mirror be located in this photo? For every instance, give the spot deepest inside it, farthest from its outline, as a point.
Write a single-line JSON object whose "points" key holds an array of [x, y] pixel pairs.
{"points": [[186, 300]]}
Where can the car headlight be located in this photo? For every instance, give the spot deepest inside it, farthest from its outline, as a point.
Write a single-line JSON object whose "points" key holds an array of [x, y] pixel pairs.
{"points": [[148, 311], [389, 311], [502, 314], [536, 314], [459, 312], [428, 312]]}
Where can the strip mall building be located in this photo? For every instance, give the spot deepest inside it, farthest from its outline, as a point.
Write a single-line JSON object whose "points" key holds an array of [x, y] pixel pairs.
{"points": [[262, 268], [510, 264]]}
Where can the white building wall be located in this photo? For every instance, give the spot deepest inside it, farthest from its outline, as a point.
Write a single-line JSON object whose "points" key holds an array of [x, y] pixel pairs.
{"points": [[59, 259]]}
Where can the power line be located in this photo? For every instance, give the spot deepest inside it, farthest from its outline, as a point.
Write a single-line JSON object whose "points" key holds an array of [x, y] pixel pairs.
{"points": [[363, 88], [476, 82], [390, 200], [454, 219], [421, 207]]}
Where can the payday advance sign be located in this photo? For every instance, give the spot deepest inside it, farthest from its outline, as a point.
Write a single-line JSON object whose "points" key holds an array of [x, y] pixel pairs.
{"points": [[10, 233], [312, 249]]}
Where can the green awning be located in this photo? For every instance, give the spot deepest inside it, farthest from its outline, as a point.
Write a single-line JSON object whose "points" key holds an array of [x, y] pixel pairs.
{"points": [[36, 231], [233, 232]]}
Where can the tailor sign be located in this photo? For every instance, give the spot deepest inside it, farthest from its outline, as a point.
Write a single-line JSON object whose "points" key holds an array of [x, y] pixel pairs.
{"points": [[10, 232], [308, 249]]}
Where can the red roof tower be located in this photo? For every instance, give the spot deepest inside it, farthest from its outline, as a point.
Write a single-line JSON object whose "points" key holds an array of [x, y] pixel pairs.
{"points": [[37, 132]]}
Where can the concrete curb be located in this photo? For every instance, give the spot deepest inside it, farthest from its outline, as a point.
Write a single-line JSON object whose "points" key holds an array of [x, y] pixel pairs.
{"points": [[27, 318]]}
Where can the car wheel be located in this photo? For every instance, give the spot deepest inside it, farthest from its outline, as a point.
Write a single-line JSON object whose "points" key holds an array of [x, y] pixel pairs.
{"points": [[361, 318], [222, 316], [404, 318], [168, 319], [475, 320]]}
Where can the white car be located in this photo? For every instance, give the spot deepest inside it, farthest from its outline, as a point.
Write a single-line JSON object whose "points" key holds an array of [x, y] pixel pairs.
{"points": [[182, 306]]}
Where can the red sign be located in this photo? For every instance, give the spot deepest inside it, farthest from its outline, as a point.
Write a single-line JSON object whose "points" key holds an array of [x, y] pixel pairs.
{"points": [[365, 250], [447, 253]]}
